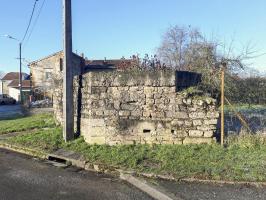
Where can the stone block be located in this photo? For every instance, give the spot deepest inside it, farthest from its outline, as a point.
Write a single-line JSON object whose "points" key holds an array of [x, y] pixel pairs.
{"points": [[211, 122], [125, 113], [188, 123], [148, 90], [97, 140], [147, 113], [195, 133], [169, 114], [129, 142], [167, 142], [197, 122], [181, 115], [157, 115], [136, 113], [128, 106], [146, 128], [191, 140], [212, 114], [112, 143], [96, 131], [197, 115], [208, 134], [110, 112], [177, 141], [157, 96], [93, 122], [182, 108], [206, 127], [187, 101]]}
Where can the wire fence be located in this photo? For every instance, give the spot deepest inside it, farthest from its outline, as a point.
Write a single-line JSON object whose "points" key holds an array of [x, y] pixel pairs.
{"points": [[245, 105]]}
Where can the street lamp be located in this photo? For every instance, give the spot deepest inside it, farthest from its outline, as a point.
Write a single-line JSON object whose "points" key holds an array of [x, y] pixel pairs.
{"points": [[20, 65]]}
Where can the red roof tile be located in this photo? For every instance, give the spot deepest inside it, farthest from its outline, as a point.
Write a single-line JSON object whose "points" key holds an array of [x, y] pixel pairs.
{"points": [[15, 84], [12, 76]]}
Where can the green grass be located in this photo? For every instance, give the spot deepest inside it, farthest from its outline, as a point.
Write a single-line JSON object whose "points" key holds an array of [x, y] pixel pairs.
{"points": [[27, 123], [244, 158]]}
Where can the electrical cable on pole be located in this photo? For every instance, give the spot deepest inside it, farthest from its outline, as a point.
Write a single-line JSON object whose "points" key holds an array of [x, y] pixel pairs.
{"points": [[20, 53], [34, 6], [34, 24]]}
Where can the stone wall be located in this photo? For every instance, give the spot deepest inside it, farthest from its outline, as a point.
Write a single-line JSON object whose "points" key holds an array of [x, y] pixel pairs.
{"points": [[132, 107]]}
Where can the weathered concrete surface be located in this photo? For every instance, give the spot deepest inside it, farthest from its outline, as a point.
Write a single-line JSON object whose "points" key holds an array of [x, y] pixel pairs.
{"points": [[22, 177]]}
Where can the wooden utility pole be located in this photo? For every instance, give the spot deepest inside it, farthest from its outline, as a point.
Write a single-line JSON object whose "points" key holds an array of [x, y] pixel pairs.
{"points": [[20, 75], [68, 110], [223, 65]]}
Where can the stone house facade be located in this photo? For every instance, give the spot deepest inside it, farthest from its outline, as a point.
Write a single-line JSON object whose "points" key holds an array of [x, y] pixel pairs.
{"points": [[138, 107], [45, 70]]}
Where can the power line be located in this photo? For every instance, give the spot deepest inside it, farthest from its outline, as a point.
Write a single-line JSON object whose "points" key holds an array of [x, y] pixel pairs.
{"points": [[30, 20], [34, 23]]}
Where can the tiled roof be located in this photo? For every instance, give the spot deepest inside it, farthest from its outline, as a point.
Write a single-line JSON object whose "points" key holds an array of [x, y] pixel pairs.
{"points": [[12, 76], [114, 62], [15, 84], [49, 56]]}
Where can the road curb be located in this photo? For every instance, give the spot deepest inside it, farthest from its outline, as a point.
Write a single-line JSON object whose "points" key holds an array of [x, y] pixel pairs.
{"points": [[23, 150], [124, 175], [151, 191]]}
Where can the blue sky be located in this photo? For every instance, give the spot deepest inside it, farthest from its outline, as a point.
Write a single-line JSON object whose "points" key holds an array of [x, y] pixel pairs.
{"points": [[116, 28]]}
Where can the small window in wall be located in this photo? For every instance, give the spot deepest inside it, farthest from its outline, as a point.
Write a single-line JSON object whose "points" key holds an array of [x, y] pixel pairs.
{"points": [[48, 75], [61, 64]]}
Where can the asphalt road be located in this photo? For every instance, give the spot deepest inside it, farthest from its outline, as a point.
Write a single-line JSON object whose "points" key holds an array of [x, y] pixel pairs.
{"points": [[25, 178], [10, 111], [202, 191]]}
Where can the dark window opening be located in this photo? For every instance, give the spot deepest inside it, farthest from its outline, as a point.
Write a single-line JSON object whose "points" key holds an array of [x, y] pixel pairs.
{"points": [[146, 130], [185, 79], [61, 64]]}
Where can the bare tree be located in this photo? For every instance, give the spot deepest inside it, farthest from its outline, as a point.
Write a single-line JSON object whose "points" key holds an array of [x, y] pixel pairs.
{"points": [[185, 48]]}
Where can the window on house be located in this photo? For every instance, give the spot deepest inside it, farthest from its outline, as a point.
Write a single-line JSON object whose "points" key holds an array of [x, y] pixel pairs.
{"points": [[48, 75], [61, 64]]}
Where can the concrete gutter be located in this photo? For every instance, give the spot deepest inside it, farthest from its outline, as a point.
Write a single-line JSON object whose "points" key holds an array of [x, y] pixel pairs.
{"points": [[145, 187]]}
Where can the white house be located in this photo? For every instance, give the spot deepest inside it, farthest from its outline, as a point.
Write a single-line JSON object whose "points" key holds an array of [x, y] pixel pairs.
{"points": [[7, 79], [14, 91]]}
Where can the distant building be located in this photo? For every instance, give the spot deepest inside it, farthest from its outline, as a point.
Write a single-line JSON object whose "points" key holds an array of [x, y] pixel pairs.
{"points": [[14, 89], [45, 69], [8, 78]]}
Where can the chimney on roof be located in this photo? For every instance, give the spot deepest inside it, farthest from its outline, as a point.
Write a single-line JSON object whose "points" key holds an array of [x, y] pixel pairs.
{"points": [[82, 55]]}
